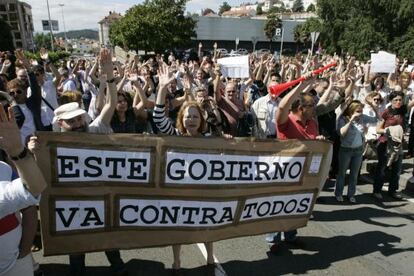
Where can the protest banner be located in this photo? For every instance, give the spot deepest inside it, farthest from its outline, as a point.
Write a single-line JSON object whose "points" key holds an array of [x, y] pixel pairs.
{"points": [[124, 191], [383, 62], [234, 67]]}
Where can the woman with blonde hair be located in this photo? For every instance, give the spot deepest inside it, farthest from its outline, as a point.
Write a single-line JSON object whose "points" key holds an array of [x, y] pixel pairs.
{"points": [[351, 127], [190, 122]]}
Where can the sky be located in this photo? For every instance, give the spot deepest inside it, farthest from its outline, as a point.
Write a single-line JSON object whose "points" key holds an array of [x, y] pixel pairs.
{"points": [[85, 14]]}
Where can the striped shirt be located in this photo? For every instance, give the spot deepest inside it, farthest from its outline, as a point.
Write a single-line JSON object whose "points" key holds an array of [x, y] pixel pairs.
{"points": [[162, 122]]}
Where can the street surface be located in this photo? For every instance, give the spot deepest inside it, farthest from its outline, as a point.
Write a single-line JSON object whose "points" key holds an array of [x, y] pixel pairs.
{"points": [[367, 238]]}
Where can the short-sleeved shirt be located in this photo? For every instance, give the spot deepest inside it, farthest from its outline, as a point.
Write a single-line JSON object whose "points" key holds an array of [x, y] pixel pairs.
{"points": [[393, 117], [13, 197], [294, 128]]}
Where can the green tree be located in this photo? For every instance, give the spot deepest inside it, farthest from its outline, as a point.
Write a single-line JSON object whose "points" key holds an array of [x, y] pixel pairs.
{"points": [[298, 6], [359, 26], [155, 25], [272, 23], [311, 8], [224, 7], [42, 40], [276, 9], [404, 45], [6, 38], [302, 32]]}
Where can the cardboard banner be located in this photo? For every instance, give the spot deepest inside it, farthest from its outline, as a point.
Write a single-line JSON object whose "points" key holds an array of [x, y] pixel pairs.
{"points": [[124, 191]]}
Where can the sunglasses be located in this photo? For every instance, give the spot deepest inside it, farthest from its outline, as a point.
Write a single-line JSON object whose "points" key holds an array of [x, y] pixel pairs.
{"points": [[14, 93], [377, 99]]}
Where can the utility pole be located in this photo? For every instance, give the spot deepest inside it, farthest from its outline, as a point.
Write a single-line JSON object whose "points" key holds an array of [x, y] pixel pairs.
{"points": [[64, 28], [50, 26]]}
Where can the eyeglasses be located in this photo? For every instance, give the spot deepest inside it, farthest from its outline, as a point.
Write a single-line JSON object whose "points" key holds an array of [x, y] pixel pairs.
{"points": [[234, 91], [14, 93]]}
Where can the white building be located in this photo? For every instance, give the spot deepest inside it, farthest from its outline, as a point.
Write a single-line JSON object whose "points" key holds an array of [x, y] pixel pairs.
{"points": [[104, 25], [84, 46], [288, 4], [19, 17]]}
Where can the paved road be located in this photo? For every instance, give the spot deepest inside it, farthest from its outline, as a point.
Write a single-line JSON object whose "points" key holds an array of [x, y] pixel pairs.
{"points": [[368, 238]]}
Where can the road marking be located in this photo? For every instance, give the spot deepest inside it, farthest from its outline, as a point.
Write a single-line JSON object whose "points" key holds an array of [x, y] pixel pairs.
{"points": [[219, 269]]}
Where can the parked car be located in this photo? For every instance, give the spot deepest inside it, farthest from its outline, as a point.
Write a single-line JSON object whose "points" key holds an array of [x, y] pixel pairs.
{"points": [[262, 52], [222, 51], [233, 53], [242, 51]]}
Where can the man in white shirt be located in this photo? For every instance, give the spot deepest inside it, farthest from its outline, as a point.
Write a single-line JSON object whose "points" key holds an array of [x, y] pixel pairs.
{"points": [[67, 83], [264, 115], [49, 96], [70, 117], [16, 195]]}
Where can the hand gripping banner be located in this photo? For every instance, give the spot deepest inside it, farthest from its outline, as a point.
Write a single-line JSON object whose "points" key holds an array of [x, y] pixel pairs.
{"points": [[126, 191]]}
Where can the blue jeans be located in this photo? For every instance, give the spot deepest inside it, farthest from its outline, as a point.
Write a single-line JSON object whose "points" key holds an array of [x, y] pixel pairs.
{"points": [[395, 170], [277, 237], [348, 158]]}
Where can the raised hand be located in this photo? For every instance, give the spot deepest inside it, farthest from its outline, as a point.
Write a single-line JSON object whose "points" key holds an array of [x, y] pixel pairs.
{"points": [[21, 56], [9, 133], [44, 54], [164, 76], [105, 58]]}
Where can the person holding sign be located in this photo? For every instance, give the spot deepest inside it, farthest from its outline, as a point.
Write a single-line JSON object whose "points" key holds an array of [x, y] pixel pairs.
{"points": [[190, 122], [16, 195], [70, 117]]}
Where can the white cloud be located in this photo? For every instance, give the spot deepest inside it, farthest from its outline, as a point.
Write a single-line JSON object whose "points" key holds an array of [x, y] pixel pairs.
{"points": [[85, 14], [78, 14]]}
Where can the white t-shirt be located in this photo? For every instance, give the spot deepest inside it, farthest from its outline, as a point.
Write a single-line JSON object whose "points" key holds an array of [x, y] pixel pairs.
{"points": [[13, 198], [28, 128], [69, 85], [50, 95]]}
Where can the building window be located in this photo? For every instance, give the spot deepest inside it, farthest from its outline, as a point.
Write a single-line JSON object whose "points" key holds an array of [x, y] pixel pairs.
{"points": [[19, 44], [17, 35], [14, 26], [13, 16], [2, 7], [4, 17], [12, 7]]}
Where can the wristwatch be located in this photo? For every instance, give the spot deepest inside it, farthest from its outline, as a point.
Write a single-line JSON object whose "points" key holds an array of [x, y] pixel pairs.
{"points": [[22, 155]]}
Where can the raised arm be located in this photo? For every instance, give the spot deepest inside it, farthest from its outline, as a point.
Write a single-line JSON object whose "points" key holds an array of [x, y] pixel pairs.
{"points": [[160, 118], [29, 172], [283, 110], [44, 55], [111, 99]]}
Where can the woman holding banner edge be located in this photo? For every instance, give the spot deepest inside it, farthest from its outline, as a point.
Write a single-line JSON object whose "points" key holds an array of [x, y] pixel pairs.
{"points": [[190, 122]]}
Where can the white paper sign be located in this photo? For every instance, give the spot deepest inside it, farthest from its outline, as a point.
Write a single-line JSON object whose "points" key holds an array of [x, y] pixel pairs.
{"points": [[315, 164], [79, 214], [276, 206], [83, 165], [204, 169], [172, 213], [383, 62], [235, 67]]}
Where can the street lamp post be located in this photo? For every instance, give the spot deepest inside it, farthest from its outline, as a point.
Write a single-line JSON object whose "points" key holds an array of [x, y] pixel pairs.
{"points": [[64, 28], [50, 26]]}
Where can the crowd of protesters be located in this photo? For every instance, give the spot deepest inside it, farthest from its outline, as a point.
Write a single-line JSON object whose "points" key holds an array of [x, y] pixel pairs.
{"points": [[364, 115]]}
